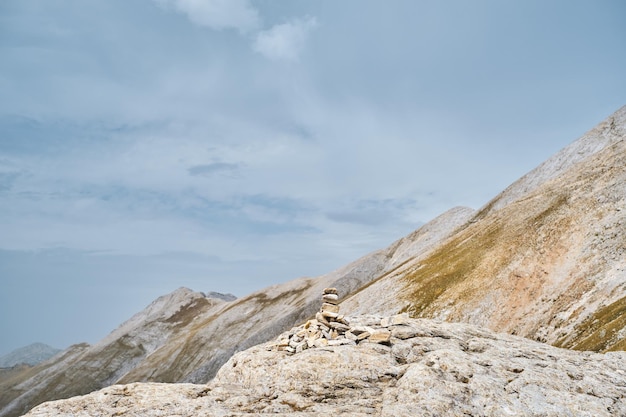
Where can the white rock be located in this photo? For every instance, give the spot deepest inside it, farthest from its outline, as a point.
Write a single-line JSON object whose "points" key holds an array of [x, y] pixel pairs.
{"points": [[420, 376]]}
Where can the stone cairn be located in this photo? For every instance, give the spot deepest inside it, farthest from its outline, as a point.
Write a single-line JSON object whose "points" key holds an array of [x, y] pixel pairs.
{"points": [[329, 328]]}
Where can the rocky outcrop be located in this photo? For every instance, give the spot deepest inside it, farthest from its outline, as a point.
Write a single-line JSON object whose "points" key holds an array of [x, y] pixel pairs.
{"points": [[186, 336], [425, 368]]}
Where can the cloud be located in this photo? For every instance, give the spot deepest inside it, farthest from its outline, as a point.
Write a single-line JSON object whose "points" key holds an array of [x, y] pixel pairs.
{"points": [[217, 14], [207, 170], [284, 41]]}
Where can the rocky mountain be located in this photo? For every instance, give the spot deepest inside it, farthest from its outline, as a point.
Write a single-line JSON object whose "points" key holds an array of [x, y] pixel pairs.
{"points": [[423, 368], [30, 355], [186, 336], [544, 260]]}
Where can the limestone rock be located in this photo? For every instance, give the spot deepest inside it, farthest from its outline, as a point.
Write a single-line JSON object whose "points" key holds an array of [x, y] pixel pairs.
{"points": [[380, 336], [330, 298], [333, 308], [447, 370]]}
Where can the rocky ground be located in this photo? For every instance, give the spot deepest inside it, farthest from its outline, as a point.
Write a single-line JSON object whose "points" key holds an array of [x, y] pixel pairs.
{"points": [[401, 367]]}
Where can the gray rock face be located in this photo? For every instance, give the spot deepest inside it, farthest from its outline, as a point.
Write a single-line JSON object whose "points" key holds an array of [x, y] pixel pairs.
{"points": [[220, 296], [428, 368]]}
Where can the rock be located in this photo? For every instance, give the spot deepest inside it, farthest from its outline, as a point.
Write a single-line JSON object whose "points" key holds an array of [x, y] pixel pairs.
{"points": [[330, 298], [380, 336], [330, 308], [321, 319], [329, 315], [395, 320], [357, 330], [350, 336], [363, 336], [340, 327], [423, 375], [330, 291]]}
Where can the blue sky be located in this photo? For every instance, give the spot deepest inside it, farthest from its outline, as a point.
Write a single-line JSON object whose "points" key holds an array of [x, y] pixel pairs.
{"points": [[227, 145]]}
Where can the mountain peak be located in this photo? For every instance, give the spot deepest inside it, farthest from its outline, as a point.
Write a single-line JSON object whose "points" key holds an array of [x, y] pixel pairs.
{"points": [[606, 133], [30, 355]]}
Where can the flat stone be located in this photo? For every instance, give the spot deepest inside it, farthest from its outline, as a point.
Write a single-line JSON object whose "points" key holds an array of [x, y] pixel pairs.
{"points": [[363, 336], [357, 330], [340, 327], [321, 319], [341, 342], [320, 343], [405, 332], [395, 320], [329, 315], [330, 307], [330, 290], [380, 336], [330, 298]]}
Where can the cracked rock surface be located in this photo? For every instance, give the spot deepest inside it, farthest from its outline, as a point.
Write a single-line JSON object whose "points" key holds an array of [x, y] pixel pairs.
{"points": [[425, 368]]}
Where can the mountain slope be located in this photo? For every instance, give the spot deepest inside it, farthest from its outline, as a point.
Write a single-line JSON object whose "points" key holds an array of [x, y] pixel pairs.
{"points": [[545, 259], [186, 336], [30, 355]]}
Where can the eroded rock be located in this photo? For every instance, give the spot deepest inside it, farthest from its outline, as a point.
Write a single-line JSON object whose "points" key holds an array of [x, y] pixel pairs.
{"points": [[444, 369]]}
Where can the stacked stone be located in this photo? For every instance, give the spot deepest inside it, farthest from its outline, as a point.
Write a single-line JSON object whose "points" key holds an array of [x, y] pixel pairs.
{"points": [[329, 313], [329, 328]]}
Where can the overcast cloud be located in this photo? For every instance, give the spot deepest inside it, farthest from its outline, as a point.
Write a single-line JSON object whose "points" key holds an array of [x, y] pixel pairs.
{"points": [[227, 145]]}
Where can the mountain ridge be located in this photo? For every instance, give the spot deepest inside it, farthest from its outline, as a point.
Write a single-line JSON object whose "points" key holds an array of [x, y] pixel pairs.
{"points": [[544, 259], [32, 354]]}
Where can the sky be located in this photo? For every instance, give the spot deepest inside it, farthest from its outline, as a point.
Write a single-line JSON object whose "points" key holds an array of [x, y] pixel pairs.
{"points": [[228, 145]]}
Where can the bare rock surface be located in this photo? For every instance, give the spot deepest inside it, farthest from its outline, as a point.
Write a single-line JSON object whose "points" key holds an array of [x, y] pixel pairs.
{"points": [[427, 368]]}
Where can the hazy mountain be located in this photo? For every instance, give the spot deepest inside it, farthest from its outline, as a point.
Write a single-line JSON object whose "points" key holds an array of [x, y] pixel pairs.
{"points": [[544, 259], [29, 355], [185, 336]]}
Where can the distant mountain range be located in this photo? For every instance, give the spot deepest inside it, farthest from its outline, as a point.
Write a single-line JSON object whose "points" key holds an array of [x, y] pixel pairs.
{"points": [[545, 259], [29, 355]]}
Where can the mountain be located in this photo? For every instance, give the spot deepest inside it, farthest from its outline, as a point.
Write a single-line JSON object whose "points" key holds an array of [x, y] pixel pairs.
{"points": [[186, 336], [544, 260], [425, 368], [30, 355]]}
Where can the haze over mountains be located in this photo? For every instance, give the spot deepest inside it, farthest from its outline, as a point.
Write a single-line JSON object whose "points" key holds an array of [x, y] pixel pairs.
{"points": [[543, 260], [30, 355]]}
